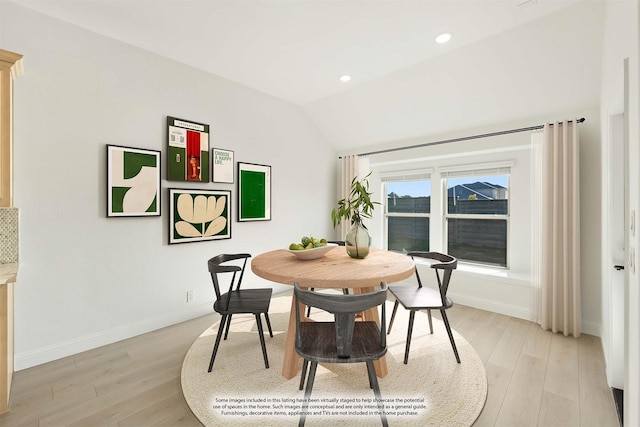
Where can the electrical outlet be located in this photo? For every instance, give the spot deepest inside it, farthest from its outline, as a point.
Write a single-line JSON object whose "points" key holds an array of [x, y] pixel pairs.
{"points": [[189, 296]]}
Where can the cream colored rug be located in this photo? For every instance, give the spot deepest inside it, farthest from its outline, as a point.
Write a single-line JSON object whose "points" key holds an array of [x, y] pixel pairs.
{"points": [[432, 390]]}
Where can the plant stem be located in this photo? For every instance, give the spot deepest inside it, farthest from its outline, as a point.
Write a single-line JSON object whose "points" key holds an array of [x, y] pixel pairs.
{"points": [[356, 240]]}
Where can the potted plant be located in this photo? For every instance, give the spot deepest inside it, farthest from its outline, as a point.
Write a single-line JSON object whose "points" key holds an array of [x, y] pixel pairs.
{"points": [[355, 208]]}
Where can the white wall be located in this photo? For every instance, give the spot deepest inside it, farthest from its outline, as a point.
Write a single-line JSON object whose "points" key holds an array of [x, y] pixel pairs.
{"points": [[509, 292], [86, 280], [621, 43]]}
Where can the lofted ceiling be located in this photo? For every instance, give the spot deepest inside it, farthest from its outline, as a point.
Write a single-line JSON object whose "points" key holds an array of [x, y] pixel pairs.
{"points": [[403, 83]]}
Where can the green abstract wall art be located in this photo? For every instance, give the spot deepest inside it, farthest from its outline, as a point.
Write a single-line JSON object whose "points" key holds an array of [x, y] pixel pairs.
{"points": [[199, 215], [133, 182], [254, 192]]}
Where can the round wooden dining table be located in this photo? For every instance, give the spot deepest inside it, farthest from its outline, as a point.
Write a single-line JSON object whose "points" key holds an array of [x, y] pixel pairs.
{"points": [[334, 270]]}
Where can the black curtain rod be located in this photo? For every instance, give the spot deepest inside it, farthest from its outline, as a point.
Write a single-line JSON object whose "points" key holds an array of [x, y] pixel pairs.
{"points": [[464, 138]]}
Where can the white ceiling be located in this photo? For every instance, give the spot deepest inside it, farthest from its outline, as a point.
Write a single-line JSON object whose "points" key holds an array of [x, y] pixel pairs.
{"points": [[297, 49]]}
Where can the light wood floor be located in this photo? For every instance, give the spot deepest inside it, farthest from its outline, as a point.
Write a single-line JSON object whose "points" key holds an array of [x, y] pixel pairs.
{"points": [[535, 378]]}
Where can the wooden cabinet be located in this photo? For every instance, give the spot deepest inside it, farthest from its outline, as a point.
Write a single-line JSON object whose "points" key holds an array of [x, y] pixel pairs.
{"points": [[10, 68], [8, 274]]}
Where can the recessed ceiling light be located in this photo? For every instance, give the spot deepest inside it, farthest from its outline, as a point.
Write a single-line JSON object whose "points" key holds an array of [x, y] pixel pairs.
{"points": [[345, 78], [443, 38]]}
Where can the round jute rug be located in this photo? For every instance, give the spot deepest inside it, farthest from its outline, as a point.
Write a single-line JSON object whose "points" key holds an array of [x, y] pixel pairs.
{"points": [[431, 390]]}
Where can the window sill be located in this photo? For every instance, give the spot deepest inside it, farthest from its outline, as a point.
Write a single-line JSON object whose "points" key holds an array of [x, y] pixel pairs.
{"points": [[488, 273], [498, 274]]}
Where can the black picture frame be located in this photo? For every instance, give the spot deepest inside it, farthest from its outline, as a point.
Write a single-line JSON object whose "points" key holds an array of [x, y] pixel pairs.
{"points": [[198, 215], [254, 192], [133, 182]]}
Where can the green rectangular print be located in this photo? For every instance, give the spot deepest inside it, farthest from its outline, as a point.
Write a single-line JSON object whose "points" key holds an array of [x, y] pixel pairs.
{"points": [[254, 192]]}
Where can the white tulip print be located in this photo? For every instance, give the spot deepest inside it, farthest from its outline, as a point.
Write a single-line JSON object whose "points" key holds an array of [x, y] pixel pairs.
{"points": [[200, 210]]}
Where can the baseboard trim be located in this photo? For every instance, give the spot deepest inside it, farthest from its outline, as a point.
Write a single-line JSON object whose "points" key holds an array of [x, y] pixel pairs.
{"points": [[493, 306], [46, 354], [588, 327], [591, 328]]}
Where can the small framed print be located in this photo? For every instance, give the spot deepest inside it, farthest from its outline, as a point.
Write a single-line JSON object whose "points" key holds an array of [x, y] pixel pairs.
{"points": [[254, 192], [199, 215], [133, 182], [222, 165], [188, 150]]}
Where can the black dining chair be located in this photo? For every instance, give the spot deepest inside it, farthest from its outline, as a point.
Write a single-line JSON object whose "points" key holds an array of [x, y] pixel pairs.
{"points": [[344, 340], [236, 300], [344, 290], [426, 298]]}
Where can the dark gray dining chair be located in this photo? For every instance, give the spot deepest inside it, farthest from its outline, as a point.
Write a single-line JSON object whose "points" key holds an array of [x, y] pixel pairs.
{"points": [[344, 290], [343, 340], [426, 298], [236, 300]]}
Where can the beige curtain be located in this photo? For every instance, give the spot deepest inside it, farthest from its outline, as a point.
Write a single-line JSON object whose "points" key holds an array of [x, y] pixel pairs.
{"points": [[352, 166], [556, 228]]}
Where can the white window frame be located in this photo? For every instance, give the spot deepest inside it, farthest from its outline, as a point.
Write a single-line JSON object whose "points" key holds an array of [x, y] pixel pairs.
{"points": [[423, 175], [515, 156], [478, 170]]}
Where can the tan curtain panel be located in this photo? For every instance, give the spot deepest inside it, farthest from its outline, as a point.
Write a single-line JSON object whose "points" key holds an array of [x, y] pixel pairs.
{"points": [[556, 228]]}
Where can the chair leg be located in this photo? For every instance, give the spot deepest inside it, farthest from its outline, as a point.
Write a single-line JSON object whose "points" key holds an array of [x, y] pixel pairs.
{"points": [[430, 322], [309, 307], [376, 391], [412, 316], [307, 394], [228, 324], [262, 343], [266, 316], [393, 316], [446, 325], [303, 374], [218, 336]]}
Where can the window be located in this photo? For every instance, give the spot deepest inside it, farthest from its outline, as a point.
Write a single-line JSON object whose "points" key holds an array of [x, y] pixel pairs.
{"points": [[469, 216], [407, 211], [477, 216]]}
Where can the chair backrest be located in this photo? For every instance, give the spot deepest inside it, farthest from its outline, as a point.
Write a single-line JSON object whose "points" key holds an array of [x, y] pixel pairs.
{"points": [[216, 266], [344, 308], [446, 264]]}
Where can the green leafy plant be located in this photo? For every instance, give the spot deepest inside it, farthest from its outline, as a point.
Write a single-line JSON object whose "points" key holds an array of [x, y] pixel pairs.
{"points": [[357, 206]]}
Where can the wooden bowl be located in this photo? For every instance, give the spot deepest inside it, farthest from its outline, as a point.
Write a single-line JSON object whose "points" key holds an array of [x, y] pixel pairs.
{"points": [[307, 254]]}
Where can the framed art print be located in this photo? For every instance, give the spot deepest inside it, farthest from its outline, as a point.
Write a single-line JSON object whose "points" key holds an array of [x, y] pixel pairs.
{"points": [[188, 150], [222, 165], [199, 215], [133, 182], [254, 192]]}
